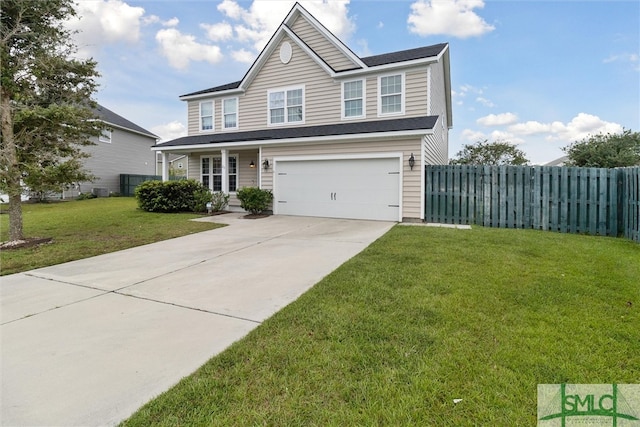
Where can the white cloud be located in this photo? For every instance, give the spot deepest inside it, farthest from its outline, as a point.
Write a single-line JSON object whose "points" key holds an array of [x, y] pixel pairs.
{"points": [[625, 58], [180, 49], [578, 128], [154, 19], [447, 17], [496, 135], [244, 56], [530, 128], [218, 32], [102, 22], [170, 131], [173, 22], [497, 119], [473, 135], [231, 9], [258, 22], [363, 48], [485, 102]]}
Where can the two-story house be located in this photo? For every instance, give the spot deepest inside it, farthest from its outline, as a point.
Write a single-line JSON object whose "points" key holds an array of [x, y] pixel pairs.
{"points": [[330, 133], [123, 148]]}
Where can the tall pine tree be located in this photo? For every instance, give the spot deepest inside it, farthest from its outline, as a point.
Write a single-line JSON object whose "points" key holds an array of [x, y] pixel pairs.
{"points": [[46, 112]]}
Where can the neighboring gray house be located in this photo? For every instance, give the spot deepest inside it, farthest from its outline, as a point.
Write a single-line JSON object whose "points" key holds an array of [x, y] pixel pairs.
{"points": [[330, 133], [177, 164], [123, 148], [561, 161]]}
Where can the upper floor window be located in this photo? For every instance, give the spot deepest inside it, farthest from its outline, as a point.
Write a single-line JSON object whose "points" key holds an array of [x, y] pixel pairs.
{"points": [[230, 113], [353, 99], [206, 116], [286, 105], [105, 136], [391, 94]]}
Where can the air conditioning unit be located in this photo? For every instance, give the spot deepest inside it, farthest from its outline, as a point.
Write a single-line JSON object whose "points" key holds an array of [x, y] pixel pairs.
{"points": [[100, 192]]}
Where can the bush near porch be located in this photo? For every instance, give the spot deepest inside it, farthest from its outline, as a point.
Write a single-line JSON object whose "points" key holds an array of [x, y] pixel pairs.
{"points": [[173, 196]]}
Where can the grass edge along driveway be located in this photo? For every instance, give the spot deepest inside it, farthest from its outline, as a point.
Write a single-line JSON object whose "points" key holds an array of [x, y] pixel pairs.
{"points": [[85, 228], [421, 317]]}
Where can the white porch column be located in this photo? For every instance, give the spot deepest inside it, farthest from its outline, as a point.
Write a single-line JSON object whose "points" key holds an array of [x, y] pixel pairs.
{"points": [[165, 166], [259, 167], [225, 171]]}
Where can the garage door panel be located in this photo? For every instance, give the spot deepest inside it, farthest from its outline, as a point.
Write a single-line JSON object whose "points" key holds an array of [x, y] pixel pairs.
{"points": [[348, 188]]}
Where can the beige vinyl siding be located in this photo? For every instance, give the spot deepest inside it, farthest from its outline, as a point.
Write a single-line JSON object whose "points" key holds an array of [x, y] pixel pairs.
{"points": [[320, 45], [416, 90], [322, 94], [411, 192], [437, 97], [435, 147]]}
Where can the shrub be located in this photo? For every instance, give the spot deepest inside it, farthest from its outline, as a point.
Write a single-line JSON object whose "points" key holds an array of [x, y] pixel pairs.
{"points": [[254, 199], [219, 201], [172, 196], [201, 196]]}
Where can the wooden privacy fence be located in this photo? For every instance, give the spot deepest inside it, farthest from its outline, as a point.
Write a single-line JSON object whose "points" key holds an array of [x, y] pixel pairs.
{"points": [[563, 199], [129, 182]]}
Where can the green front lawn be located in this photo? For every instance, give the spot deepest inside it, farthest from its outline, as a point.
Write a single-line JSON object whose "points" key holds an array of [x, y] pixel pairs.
{"points": [[420, 318], [85, 228]]}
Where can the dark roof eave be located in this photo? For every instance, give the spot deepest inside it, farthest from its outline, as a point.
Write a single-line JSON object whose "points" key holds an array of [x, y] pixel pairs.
{"points": [[370, 61], [353, 128]]}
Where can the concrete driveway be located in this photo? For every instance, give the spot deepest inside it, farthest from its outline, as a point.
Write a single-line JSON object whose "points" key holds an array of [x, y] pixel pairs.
{"points": [[90, 341]]}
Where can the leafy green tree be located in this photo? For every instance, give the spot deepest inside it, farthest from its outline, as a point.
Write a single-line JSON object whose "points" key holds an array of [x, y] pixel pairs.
{"points": [[490, 153], [605, 151], [46, 114]]}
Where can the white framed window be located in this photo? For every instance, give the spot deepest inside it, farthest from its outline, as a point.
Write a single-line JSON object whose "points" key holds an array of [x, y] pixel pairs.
{"points": [[206, 116], [353, 99], [105, 136], [211, 172], [391, 94], [286, 105], [230, 113]]}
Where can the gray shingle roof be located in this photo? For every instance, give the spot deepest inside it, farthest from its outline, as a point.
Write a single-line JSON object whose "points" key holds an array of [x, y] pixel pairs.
{"points": [[370, 61], [109, 116], [351, 128], [404, 55]]}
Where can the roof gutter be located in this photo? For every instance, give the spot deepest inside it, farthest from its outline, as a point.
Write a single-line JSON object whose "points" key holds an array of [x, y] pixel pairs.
{"points": [[303, 140]]}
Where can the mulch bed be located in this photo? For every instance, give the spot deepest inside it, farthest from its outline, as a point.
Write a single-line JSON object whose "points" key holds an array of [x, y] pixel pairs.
{"points": [[255, 216], [26, 243]]}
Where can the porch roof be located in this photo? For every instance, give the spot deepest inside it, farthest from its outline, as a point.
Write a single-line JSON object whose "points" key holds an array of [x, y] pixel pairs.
{"points": [[417, 124]]}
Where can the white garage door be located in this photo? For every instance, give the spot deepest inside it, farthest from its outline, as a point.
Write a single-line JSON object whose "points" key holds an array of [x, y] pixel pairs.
{"points": [[345, 188]]}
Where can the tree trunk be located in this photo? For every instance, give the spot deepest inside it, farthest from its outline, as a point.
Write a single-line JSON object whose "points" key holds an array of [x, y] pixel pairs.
{"points": [[9, 162]]}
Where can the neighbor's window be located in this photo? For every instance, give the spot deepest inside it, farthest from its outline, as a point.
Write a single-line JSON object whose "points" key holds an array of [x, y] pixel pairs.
{"points": [[230, 113], [391, 94], [353, 99], [105, 136], [206, 116], [286, 106]]}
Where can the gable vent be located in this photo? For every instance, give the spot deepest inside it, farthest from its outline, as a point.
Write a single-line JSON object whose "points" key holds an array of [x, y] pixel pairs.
{"points": [[285, 52]]}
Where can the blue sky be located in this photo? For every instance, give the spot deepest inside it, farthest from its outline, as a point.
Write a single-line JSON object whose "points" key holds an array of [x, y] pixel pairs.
{"points": [[540, 74]]}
